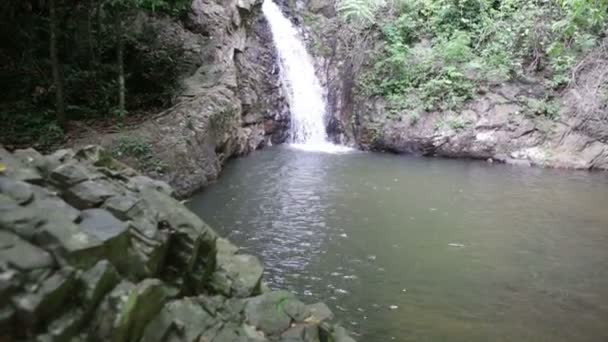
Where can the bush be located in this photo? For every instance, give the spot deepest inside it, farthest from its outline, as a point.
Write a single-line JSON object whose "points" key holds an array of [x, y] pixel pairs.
{"points": [[437, 52]]}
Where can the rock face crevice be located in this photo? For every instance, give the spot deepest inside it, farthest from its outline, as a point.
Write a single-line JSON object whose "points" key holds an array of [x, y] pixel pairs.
{"points": [[90, 250]]}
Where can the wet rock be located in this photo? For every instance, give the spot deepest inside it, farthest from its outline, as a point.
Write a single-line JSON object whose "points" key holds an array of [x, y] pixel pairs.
{"points": [[266, 312], [301, 333], [143, 183], [320, 312], [339, 334], [236, 275]]}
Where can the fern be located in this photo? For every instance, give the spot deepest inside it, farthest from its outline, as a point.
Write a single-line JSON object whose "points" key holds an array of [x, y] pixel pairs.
{"points": [[359, 11]]}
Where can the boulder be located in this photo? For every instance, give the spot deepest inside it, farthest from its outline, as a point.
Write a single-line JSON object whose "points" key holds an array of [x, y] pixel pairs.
{"points": [[236, 275], [266, 312], [97, 282], [22, 255], [66, 175], [89, 194], [19, 191], [48, 299], [184, 320], [126, 310]]}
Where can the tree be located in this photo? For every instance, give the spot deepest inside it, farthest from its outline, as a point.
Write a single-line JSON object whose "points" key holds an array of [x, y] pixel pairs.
{"points": [[56, 66]]}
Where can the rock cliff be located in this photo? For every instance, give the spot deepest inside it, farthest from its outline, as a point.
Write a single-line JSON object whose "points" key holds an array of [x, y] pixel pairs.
{"points": [[503, 121], [231, 100], [90, 250]]}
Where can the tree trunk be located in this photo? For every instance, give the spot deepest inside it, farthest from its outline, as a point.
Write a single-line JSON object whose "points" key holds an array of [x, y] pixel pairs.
{"points": [[98, 29], [56, 66], [90, 35], [121, 69]]}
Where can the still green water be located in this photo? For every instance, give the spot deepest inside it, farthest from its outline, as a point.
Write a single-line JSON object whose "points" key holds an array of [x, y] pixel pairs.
{"points": [[414, 249]]}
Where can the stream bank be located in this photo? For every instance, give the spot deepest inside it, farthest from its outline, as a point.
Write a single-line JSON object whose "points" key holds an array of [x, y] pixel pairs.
{"points": [[93, 251]]}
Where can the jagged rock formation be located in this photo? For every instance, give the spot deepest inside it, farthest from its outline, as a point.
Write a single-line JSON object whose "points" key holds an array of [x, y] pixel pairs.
{"points": [[231, 101], [92, 251]]}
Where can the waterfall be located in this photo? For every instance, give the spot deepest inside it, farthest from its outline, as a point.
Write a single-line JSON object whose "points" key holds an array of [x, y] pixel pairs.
{"points": [[304, 91]]}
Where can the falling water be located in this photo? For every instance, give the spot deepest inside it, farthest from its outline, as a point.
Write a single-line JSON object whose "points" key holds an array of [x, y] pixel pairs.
{"points": [[304, 91]]}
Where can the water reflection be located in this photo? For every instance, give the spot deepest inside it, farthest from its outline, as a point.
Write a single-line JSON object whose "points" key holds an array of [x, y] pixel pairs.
{"points": [[425, 249]]}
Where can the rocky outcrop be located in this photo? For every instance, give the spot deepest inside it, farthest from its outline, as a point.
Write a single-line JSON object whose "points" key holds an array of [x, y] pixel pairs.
{"points": [[230, 104], [499, 123], [92, 251]]}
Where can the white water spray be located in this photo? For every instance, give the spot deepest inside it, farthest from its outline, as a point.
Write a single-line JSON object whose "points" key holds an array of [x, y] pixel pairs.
{"points": [[304, 91]]}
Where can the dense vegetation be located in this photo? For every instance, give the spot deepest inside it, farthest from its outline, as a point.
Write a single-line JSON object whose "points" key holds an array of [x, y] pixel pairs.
{"points": [[438, 53], [67, 60]]}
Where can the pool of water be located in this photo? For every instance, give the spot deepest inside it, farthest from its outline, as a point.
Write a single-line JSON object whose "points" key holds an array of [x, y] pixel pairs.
{"points": [[415, 249]]}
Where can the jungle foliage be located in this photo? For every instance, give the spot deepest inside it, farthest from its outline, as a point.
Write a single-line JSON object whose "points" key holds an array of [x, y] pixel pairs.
{"points": [[437, 53], [67, 60]]}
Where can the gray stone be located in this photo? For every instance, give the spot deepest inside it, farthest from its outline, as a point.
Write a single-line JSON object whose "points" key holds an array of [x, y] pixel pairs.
{"points": [[59, 157], [19, 191], [98, 281], [101, 224], [339, 334], [147, 254], [21, 254], [320, 312], [192, 255], [301, 332], [66, 327], [10, 281], [89, 194], [23, 221], [184, 318], [52, 205], [141, 183], [120, 205], [69, 242], [237, 275], [17, 170], [110, 232], [126, 311], [66, 175], [297, 310], [48, 300], [266, 313]]}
